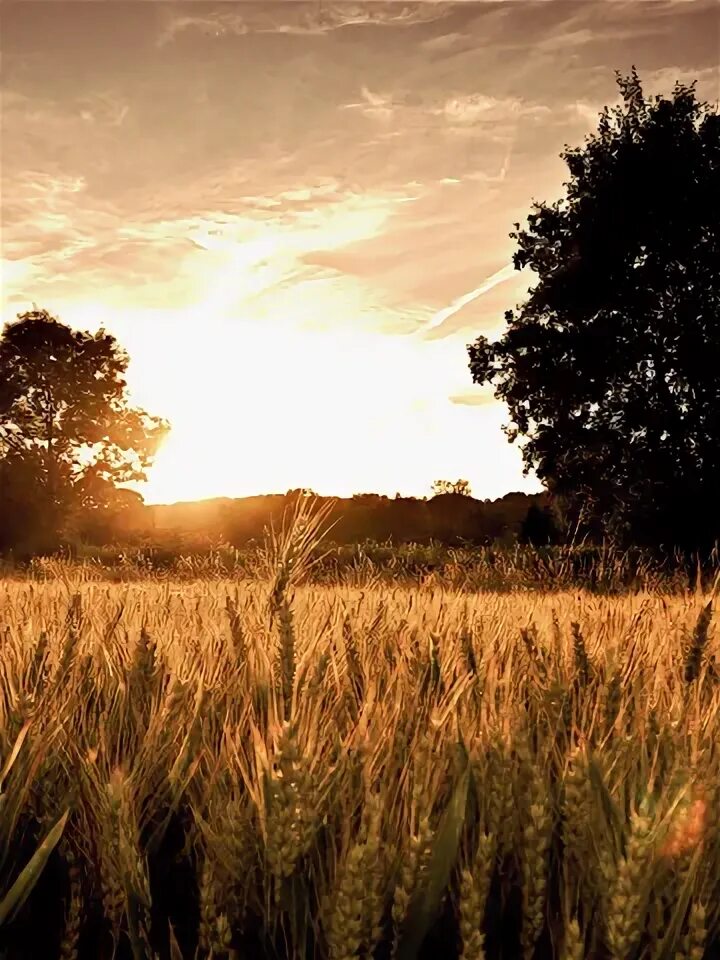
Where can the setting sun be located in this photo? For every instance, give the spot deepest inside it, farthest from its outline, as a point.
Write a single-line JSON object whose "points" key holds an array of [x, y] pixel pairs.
{"points": [[270, 412]]}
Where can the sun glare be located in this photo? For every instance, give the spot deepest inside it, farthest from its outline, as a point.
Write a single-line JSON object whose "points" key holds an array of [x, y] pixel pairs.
{"points": [[257, 412], [273, 379]]}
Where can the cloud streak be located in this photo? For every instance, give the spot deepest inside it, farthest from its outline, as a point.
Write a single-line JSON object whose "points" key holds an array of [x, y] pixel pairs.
{"points": [[300, 19], [439, 319]]}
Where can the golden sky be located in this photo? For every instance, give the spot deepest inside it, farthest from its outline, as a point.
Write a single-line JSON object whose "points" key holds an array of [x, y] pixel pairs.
{"points": [[295, 216]]}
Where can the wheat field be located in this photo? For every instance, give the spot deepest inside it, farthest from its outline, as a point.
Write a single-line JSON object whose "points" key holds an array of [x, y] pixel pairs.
{"points": [[270, 768]]}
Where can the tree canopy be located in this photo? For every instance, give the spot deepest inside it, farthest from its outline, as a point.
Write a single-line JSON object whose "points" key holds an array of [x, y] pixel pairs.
{"points": [[67, 433], [611, 368], [460, 487]]}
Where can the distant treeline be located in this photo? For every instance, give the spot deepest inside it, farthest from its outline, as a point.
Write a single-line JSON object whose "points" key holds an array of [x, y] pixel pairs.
{"points": [[449, 518]]}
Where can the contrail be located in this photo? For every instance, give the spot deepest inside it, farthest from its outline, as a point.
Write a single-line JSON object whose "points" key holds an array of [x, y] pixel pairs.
{"points": [[442, 315]]}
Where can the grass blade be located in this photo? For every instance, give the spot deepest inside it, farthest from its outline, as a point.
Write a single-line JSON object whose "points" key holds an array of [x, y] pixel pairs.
{"points": [[424, 908], [21, 889]]}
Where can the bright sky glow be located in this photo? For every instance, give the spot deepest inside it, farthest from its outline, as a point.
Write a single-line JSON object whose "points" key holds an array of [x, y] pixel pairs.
{"points": [[295, 216]]}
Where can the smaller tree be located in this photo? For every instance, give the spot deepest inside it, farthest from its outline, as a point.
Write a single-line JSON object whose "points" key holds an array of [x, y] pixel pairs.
{"points": [[68, 436], [26, 521], [460, 487]]}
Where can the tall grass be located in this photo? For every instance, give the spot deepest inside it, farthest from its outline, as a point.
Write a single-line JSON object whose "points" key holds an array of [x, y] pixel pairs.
{"points": [[280, 768], [599, 569]]}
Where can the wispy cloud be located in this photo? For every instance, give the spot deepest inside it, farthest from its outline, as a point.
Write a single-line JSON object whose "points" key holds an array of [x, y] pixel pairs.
{"points": [[444, 42], [309, 19], [437, 321], [104, 109]]}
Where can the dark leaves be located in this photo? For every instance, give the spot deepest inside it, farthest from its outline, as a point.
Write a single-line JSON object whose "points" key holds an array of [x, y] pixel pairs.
{"points": [[67, 434], [611, 368]]}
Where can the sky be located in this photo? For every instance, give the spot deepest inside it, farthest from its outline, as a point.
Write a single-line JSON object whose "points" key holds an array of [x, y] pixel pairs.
{"points": [[295, 216]]}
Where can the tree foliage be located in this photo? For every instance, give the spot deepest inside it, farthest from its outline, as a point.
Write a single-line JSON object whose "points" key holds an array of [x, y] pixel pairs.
{"points": [[67, 433], [611, 369], [460, 487], [539, 528]]}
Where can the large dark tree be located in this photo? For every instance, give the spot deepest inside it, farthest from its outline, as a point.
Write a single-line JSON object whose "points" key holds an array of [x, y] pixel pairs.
{"points": [[611, 369], [67, 433]]}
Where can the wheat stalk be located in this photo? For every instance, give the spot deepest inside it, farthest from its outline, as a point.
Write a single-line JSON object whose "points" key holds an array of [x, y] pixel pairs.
{"points": [[627, 899]]}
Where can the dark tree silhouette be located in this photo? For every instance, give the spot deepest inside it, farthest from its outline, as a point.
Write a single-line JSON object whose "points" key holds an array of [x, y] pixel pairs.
{"points": [[611, 369], [67, 434], [25, 514], [298, 492], [538, 528]]}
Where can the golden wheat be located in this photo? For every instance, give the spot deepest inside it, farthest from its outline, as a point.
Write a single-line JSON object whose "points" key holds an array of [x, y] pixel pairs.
{"points": [[141, 704]]}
